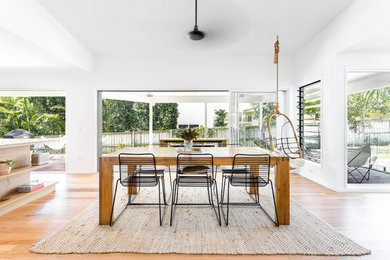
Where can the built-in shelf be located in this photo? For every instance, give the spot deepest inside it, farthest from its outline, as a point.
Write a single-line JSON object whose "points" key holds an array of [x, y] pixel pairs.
{"points": [[21, 170], [17, 199]]}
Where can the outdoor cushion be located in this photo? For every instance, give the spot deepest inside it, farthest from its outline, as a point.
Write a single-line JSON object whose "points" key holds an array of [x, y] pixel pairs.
{"points": [[237, 169], [297, 163], [358, 157], [195, 169]]}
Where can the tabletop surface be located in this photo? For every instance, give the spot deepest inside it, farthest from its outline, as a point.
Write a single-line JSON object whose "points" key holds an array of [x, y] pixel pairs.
{"points": [[226, 152], [9, 142], [198, 139]]}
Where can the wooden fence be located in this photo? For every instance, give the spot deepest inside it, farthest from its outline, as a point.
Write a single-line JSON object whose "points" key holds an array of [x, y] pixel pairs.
{"points": [[112, 141]]}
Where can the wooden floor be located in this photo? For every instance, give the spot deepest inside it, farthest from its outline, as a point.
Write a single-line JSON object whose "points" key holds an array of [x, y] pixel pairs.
{"points": [[364, 217]]}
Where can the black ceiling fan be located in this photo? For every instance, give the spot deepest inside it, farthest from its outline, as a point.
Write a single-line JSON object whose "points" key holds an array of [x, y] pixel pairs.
{"points": [[195, 34]]}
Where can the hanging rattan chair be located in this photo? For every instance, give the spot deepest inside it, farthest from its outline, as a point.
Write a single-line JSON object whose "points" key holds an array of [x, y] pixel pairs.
{"points": [[288, 145]]}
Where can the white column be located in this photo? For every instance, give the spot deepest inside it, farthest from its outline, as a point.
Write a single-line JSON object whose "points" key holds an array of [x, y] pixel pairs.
{"points": [[205, 119], [261, 119], [150, 123], [81, 129]]}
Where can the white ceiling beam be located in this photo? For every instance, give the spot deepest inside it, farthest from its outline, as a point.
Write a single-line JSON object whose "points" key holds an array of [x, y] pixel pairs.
{"points": [[29, 20]]}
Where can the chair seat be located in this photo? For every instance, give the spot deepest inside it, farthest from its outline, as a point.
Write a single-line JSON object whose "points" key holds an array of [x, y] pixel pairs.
{"points": [[196, 169], [192, 180], [140, 181], [242, 169], [243, 181], [149, 171]]}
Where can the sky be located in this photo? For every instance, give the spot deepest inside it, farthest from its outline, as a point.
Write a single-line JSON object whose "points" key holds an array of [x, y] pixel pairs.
{"points": [[194, 113]]}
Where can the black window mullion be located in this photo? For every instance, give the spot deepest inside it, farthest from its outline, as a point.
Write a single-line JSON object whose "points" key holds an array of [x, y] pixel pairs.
{"points": [[308, 125]]}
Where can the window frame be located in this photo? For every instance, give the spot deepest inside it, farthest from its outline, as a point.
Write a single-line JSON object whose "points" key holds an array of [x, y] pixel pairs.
{"points": [[301, 124]]}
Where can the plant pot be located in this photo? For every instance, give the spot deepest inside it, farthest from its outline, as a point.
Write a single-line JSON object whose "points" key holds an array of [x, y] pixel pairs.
{"points": [[4, 169], [5, 198], [188, 145]]}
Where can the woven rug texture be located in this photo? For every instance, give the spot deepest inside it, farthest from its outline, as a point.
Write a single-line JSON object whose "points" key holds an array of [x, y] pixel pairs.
{"points": [[195, 230]]}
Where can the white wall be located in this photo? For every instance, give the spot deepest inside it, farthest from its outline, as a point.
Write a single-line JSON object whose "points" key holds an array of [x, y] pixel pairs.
{"points": [[323, 59], [256, 73]]}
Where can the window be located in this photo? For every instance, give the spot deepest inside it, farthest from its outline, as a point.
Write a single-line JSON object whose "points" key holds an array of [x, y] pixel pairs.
{"points": [[309, 129]]}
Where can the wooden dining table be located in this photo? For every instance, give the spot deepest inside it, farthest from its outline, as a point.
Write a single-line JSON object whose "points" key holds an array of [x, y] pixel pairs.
{"points": [[222, 156]]}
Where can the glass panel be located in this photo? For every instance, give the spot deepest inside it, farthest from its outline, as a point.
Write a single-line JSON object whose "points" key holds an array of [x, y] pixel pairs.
{"points": [[368, 104], [144, 118], [125, 121], [253, 111], [41, 116], [310, 121]]}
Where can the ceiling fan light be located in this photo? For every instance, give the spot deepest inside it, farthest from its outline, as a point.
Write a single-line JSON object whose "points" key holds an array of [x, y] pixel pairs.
{"points": [[195, 34]]}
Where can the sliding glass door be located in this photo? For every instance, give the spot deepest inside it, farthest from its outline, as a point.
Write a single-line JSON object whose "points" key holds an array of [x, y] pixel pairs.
{"points": [[368, 120], [249, 112]]}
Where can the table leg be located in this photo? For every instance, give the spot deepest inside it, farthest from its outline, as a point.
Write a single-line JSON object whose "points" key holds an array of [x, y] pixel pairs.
{"points": [[130, 171], [282, 190], [105, 190], [254, 169]]}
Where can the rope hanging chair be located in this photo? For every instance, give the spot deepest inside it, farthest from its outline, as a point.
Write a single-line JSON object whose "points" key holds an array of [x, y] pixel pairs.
{"points": [[289, 145]]}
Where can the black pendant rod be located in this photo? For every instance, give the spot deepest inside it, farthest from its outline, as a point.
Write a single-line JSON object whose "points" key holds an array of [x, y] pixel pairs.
{"points": [[196, 14], [195, 34]]}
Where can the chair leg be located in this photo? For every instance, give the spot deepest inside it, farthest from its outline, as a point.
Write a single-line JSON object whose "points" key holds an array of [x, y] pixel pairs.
{"points": [[208, 193], [368, 173], [223, 186], [131, 193], [129, 196], [163, 189], [177, 193], [170, 177], [159, 202], [227, 208], [113, 202], [173, 201], [276, 210], [353, 176], [216, 195]]}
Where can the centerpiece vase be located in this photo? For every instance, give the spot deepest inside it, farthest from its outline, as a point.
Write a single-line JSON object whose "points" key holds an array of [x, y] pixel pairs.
{"points": [[188, 145]]}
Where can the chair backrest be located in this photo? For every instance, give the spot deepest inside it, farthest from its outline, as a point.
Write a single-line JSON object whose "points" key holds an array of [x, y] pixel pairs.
{"points": [[196, 159], [234, 145], [288, 146], [262, 143], [259, 164], [136, 164], [359, 157]]}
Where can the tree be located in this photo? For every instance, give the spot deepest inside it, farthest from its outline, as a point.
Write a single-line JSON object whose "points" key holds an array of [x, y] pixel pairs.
{"points": [[165, 116], [39, 115], [266, 112], [362, 105], [220, 120], [123, 116]]}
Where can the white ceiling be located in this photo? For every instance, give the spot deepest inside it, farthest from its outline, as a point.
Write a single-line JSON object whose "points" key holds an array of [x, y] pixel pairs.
{"points": [[363, 81], [186, 97], [374, 44], [159, 27], [18, 53]]}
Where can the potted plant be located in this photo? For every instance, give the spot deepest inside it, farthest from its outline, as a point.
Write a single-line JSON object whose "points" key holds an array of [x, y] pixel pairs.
{"points": [[5, 168], [189, 135]]}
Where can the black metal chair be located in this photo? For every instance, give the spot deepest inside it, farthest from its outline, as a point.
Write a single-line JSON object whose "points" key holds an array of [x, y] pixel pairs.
{"points": [[195, 170], [234, 145], [357, 158], [228, 167], [139, 170], [241, 175]]}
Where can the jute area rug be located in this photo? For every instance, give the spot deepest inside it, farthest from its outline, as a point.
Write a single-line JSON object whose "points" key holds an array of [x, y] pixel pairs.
{"points": [[195, 230]]}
